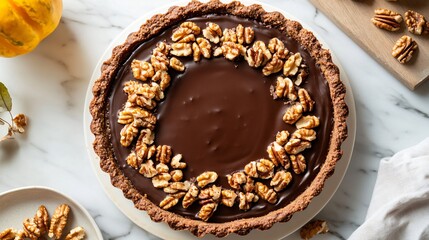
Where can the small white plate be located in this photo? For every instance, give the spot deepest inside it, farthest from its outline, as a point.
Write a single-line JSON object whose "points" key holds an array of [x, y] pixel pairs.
{"points": [[21, 203], [162, 230]]}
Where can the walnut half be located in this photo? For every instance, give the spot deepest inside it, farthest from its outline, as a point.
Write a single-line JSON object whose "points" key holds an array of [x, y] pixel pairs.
{"points": [[59, 221], [266, 193], [387, 19], [207, 211], [7, 234], [42, 219], [77, 233], [416, 22], [313, 228], [404, 49], [206, 178]]}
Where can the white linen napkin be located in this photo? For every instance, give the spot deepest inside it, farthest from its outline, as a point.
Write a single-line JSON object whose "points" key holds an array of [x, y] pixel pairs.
{"points": [[399, 207]]}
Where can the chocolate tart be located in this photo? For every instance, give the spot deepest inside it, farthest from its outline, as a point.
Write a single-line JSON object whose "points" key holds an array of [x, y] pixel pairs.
{"points": [[225, 113]]}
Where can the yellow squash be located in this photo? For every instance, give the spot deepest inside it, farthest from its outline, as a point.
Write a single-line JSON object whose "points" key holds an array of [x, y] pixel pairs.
{"points": [[24, 23]]}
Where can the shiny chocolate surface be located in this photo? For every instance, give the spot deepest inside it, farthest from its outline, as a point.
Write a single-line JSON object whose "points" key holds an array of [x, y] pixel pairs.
{"points": [[220, 115]]}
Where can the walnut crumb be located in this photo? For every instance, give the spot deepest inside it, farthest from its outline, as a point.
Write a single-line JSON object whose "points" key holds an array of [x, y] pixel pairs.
{"points": [[313, 228]]}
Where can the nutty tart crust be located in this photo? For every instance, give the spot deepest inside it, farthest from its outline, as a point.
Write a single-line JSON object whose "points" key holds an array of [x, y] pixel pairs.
{"points": [[219, 118]]}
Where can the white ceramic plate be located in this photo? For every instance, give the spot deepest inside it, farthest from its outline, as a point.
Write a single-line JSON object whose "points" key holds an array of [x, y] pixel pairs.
{"points": [[162, 230], [21, 203]]}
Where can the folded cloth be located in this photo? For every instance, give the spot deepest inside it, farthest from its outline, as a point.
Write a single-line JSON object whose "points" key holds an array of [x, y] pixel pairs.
{"points": [[399, 207]]}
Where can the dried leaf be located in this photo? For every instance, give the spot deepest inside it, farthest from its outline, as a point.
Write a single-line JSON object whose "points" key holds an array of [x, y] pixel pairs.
{"points": [[5, 99]]}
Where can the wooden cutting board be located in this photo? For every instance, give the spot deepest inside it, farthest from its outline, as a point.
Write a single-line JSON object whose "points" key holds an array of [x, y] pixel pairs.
{"points": [[354, 17]]}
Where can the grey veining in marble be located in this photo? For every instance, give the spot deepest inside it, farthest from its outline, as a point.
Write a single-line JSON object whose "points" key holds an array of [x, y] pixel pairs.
{"points": [[49, 85]]}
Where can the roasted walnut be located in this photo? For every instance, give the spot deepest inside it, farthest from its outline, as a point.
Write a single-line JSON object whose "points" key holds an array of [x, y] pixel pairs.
{"points": [[292, 64], [295, 146], [175, 187], [229, 35], [250, 169], [176, 175], [207, 211], [273, 66], [404, 49], [313, 228], [59, 221], [307, 122], [265, 168], [236, 179], [244, 200], [278, 155], [387, 19], [280, 180], [181, 49], [161, 180], [8, 234], [163, 154], [206, 178], [161, 168], [163, 78], [239, 30], [186, 32], [147, 169], [232, 50], [277, 48], [176, 162], [31, 230], [282, 137], [171, 200], [19, 123], [200, 48], [258, 55], [190, 196], [163, 48], [142, 152], [266, 193], [416, 22], [176, 64], [304, 134], [249, 186], [228, 197], [305, 100], [298, 163], [42, 219], [210, 194], [293, 113], [249, 35], [77, 233], [302, 75], [133, 161], [142, 70], [159, 61], [212, 32], [285, 88]]}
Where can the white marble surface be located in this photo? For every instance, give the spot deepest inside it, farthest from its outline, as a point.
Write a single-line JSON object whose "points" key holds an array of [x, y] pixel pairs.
{"points": [[49, 85]]}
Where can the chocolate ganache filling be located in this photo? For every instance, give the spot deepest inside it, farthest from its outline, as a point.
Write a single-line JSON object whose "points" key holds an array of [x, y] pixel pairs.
{"points": [[220, 115]]}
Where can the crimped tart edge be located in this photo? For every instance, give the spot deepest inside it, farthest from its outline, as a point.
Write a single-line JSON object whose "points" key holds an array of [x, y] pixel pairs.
{"points": [[155, 25]]}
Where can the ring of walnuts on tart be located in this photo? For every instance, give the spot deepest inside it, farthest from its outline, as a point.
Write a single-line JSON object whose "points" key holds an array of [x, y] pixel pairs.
{"points": [[158, 163], [242, 192]]}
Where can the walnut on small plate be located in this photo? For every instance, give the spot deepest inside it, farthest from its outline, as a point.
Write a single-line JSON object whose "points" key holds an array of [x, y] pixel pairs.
{"points": [[59, 221]]}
